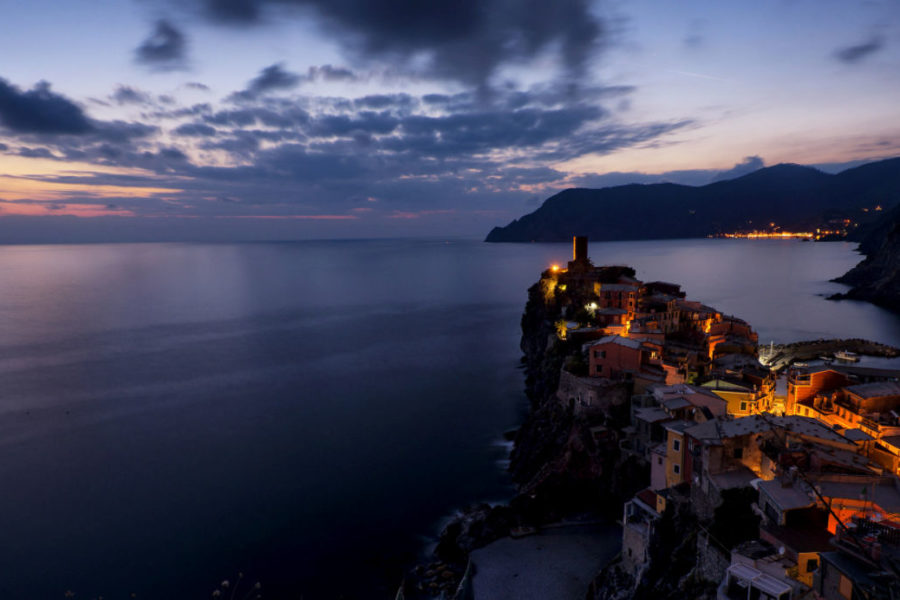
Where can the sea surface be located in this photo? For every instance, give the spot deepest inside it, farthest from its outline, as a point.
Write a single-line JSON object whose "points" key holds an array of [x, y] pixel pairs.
{"points": [[172, 415]]}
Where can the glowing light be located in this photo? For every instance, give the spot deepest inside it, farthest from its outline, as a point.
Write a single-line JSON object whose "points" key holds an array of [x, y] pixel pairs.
{"points": [[554, 268]]}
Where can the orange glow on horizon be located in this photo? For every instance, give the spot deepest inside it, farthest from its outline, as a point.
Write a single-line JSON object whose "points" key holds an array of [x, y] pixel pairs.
{"points": [[17, 188]]}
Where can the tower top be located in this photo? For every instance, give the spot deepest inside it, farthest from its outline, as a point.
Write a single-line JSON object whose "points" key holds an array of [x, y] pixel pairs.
{"points": [[580, 249]]}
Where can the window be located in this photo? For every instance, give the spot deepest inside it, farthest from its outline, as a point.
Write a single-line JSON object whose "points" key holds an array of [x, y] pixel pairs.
{"points": [[676, 469], [739, 453], [743, 407], [812, 564], [676, 445], [659, 460]]}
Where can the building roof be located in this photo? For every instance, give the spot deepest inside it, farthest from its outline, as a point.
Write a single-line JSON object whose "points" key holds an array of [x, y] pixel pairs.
{"points": [[658, 449], [786, 497], [877, 389], [857, 435], [728, 384], [893, 440], [676, 403], [808, 538], [652, 414], [720, 429], [881, 491], [735, 478], [617, 339], [678, 426]]}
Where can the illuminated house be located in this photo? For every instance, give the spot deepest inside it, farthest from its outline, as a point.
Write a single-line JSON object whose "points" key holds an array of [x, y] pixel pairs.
{"points": [[866, 412], [617, 357], [723, 454], [622, 296], [675, 451], [731, 336], [804, 383], [871, 497], [745, 395]]}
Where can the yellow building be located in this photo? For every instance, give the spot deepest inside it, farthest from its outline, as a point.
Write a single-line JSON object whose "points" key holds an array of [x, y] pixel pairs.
{"points": [[675, 451]]}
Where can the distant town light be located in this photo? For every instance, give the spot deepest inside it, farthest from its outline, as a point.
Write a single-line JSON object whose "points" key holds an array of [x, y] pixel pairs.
{"points": [[554, 268]]}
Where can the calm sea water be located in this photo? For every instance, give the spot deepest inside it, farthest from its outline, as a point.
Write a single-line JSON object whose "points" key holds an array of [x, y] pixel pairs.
{"points": [[304, 413]]}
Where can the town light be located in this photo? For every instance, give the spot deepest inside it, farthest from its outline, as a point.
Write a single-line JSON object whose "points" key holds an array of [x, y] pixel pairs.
{"points": [[554, 268]]}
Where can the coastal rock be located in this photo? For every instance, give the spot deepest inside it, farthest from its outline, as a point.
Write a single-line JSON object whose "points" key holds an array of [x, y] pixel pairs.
{"points": [[877, 278]]}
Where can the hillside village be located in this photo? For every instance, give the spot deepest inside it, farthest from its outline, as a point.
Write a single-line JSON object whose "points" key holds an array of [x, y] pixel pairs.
{"points": [[791, 477]]}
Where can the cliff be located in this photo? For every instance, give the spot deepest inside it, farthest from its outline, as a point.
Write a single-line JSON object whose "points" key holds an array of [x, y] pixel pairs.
{"points": [[877, 278], [793, 196]]}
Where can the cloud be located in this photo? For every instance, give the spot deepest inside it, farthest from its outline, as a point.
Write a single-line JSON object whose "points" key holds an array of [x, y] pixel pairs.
{"points": [[272, 78], [276, 77], [40, 110], [195, 130], [165, 48], [331, 73], [196, 85], [125, 94], [465, 40], [745, 167], [854, 54]]}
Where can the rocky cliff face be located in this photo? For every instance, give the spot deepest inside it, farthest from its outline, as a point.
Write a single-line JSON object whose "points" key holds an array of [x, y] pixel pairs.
{"points": [[877, 278]]}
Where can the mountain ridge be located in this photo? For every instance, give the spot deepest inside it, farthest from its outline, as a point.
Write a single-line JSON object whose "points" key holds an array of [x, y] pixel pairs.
{"points": [[790, 195]]}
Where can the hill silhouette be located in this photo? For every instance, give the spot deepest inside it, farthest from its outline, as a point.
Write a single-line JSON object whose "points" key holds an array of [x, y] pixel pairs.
{"points": [[795, 197]]}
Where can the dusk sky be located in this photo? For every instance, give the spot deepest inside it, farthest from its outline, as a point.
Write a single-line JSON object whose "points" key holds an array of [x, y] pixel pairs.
{"points": [[285, 119]]}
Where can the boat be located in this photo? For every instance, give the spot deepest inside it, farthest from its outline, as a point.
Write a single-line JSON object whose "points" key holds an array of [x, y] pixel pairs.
{"points": [[846, 356]]}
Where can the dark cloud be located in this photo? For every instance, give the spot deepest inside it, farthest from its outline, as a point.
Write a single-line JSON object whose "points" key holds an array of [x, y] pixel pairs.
{"points": [[195, 130], [125, 94], [330, 73], [164, 49], [854, 54], [35, 153], [272, 78], [196, 85], [276, 77], [40, 110], [745, 167], [466, 40]]}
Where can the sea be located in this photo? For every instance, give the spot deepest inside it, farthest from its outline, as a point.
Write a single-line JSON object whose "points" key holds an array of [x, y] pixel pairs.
{"points": [[305, 415]]}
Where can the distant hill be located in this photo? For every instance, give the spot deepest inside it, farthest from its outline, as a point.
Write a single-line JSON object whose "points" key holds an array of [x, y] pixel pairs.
{"points": [[793, 196]]}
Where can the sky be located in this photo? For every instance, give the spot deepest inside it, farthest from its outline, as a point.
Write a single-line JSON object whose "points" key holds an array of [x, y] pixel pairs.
{"points": [[290, 119]]}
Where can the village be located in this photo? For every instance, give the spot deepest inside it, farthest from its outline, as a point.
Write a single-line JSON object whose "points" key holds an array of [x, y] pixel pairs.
{"points": [[810, 453]]}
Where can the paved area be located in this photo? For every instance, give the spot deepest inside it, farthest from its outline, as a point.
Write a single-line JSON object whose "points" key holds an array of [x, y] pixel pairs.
{"points": [[557, 564]]}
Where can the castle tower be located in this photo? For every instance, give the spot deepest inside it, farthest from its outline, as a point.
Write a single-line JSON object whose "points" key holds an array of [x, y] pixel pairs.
{"points": [[580, 249]]}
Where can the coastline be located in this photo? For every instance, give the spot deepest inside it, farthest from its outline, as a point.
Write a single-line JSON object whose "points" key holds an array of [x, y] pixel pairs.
{"points": [[571, 461]]}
